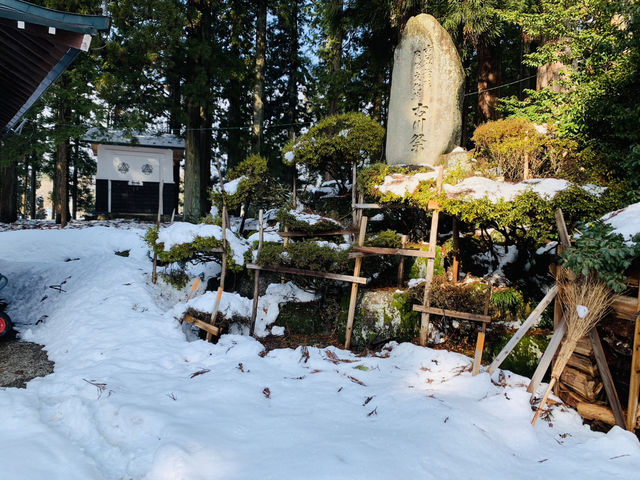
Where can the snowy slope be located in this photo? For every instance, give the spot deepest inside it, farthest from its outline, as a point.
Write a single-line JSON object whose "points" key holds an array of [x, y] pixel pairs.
{"points": [[130, 398]]}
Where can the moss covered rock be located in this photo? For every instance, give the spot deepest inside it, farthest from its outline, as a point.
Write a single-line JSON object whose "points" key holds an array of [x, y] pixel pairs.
{"points": [[381, 316], [524, 359]]}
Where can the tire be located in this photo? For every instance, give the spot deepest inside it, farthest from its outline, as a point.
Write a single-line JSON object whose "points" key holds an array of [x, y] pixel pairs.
{"points": [[5, 325]]}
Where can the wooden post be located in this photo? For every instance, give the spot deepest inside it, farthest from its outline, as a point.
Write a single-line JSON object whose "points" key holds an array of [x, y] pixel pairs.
{"points": [[354, 286], [403, 243], [216, 307], [294, 196], [154, 273], [433, 238], [194, 287], [455, 269], [256, 281], [607, 380], [477, 361], [634, 380], [354, 193], [526, 166]]}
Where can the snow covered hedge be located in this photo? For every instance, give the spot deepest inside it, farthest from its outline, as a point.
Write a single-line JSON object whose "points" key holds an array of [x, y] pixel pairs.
{"points": [[517, 210], [298, 221], [183, 242]]}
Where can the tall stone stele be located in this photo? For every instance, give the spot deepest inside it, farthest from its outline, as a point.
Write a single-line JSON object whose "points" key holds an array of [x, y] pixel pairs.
{"points": [[425, 110]]}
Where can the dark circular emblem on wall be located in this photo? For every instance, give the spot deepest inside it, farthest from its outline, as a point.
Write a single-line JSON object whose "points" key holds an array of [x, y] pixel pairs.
{"points": [[147, 169], [123, 167]]}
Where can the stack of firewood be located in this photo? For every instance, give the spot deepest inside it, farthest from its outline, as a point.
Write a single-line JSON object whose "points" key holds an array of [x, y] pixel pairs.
{"points": [[580, 381]]}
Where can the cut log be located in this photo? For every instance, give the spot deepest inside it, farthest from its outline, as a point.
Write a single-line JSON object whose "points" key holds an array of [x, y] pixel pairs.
{"points": [[570, 397], [584, 348], [581, 383], [601, 413], [624, 307], [584, 364]]}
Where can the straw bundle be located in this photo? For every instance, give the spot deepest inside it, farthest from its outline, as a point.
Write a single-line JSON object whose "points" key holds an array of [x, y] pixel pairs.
{"points": [[585, 301]]}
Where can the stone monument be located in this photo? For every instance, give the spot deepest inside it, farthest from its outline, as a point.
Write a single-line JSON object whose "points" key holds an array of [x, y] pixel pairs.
{"points": [[425, 109]]}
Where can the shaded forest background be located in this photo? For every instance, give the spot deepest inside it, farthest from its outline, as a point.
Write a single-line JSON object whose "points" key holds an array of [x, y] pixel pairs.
{"points": [[241, 77]]}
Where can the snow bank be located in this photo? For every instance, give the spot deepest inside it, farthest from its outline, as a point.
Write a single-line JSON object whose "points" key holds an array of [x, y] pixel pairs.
{"points": [[232, 304], [184, 232], [626, 222], [402, 184], [131, 398], [480, 187]]}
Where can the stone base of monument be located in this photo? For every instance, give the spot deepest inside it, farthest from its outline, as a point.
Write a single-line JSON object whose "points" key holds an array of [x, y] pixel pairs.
{"points": [[459, 158]]}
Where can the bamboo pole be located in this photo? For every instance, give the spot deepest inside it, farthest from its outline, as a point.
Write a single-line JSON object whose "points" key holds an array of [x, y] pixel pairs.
{"points": [[354, 286], [256, 281]]}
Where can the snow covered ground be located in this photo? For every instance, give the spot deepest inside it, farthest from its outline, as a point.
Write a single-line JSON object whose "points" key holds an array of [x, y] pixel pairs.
{"points": [[131, 398]]}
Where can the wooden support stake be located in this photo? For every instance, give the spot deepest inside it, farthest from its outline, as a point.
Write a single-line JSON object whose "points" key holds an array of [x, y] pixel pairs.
{"points": [[433, 238], [403, 244], [354, 286], [634, 380], [455, 268], [256, 281], [194, 287], [543, 401], [210, 329], [607, 380], [216, 307], [477, 361], [524, 328], [547, 357]]}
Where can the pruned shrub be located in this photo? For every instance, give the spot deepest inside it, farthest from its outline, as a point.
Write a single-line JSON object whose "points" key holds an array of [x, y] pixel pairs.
{"points": [[503, 145], [334, 144], [307, 255], [254, 186]]}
